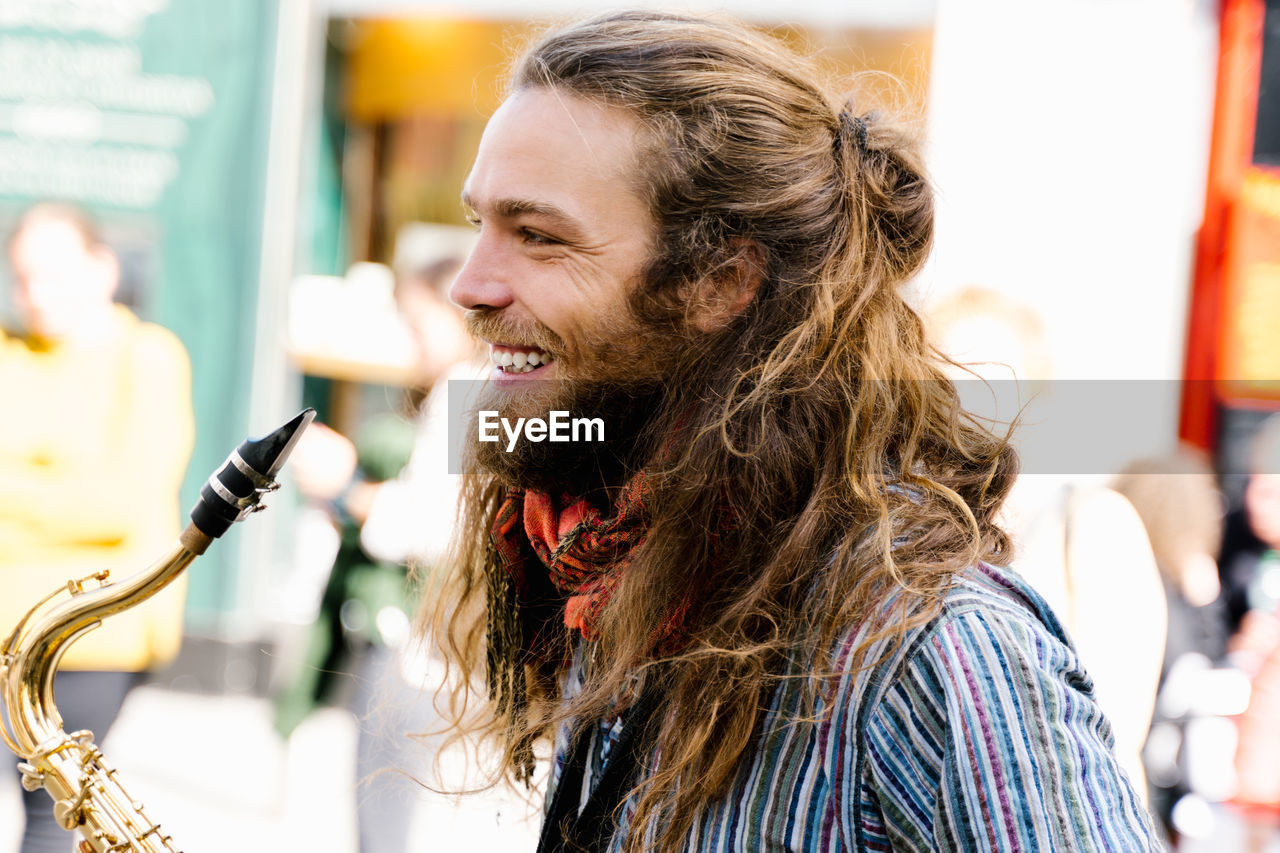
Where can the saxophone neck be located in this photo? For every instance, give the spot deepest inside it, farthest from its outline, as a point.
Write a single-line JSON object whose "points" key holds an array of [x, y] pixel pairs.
{"points": [[32, 652]]}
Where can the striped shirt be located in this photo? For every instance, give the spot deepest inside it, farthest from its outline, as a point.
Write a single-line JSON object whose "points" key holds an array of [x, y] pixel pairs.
{"points": [[979, 732]]}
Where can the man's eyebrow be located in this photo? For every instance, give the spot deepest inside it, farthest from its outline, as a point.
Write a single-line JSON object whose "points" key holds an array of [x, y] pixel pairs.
{"points": [[509, 208]]}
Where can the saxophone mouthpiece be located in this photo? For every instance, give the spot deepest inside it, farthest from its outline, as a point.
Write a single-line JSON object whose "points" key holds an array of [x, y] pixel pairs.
{"points": [[233, 491], [267, 455]]}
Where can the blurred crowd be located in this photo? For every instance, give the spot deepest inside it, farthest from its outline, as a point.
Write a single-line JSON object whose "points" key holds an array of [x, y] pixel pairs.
{"points": [[93, 451], [1167, 589]]}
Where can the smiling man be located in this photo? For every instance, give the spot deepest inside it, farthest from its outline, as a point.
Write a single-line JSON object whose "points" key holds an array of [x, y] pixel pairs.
{"points": [[764, 615]]}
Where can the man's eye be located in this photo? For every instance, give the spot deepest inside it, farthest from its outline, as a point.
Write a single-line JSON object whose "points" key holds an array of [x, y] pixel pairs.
{"points": [[472, 219], [536, 238]]}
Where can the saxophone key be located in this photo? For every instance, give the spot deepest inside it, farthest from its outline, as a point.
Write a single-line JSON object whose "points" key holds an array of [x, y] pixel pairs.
{"points": [[32, 778]]}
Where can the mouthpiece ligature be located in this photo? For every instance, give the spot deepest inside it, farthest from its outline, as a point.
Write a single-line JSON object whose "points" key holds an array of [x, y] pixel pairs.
{"points": [[235, 489]]}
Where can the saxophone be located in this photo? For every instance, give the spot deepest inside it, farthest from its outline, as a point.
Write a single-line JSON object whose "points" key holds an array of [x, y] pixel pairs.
{"points": [[86, 793]]}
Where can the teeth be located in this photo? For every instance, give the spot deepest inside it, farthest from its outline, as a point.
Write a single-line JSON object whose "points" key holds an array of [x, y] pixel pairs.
{"points": [[520, 362]]}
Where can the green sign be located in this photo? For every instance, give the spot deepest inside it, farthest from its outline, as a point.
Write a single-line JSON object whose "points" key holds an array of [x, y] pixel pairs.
{"points": [[154, 115]]}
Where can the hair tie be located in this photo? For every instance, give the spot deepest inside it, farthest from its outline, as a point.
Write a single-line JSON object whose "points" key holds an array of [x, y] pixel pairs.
{"points": [[856, 126]]}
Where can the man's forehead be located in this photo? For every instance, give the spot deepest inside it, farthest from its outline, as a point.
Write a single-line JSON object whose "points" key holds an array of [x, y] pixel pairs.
{"points": [[544, 150]]}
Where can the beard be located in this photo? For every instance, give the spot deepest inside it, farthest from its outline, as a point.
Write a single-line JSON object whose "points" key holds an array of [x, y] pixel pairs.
{"points": [[621, 384]]}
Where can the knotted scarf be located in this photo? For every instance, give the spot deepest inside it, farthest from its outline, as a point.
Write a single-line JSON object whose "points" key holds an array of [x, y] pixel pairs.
{"points": [[583, 553]]}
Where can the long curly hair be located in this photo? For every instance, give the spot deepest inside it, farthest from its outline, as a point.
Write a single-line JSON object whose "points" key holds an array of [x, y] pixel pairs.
{"points": [[815, 436]]}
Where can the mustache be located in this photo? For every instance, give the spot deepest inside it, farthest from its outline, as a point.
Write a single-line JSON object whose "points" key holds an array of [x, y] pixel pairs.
{"points": [[489, 324]]}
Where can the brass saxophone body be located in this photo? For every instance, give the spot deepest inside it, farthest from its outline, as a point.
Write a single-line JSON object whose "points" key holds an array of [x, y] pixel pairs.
{"points": [[69, 765]]}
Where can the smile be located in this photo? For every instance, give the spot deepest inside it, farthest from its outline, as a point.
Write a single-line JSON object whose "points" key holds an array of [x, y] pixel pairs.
{"points": [[513, 360]]}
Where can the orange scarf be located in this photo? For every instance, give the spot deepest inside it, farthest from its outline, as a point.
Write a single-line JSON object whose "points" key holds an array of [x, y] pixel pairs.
{"points": [[585, 553]]}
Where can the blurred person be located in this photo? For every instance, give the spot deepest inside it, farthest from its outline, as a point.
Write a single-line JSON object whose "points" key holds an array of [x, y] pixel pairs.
{"points": [[1177, 498], [1257, 758], [1087, 550], [762, 611], [410, 518], [1251, 575], [1079, 543], [990, 335], [1248, 565], [405, 517], [97, 433], [394, 501]]}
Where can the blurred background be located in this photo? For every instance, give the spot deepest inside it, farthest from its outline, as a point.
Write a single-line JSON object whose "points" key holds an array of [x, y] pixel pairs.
{"points": [[267, 173]]}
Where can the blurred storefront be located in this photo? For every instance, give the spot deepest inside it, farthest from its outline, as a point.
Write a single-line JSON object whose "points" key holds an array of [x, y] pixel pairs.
{"points": [[1233, 354]]}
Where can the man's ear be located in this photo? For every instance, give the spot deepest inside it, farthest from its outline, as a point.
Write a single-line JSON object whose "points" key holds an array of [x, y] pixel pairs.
{"points": [[729, 291]]}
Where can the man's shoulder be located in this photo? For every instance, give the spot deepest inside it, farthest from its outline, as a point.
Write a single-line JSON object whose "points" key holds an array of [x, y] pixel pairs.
{"points": [[993, 592], [987, 610], [146, 332], [993, 642], [992, 611], [1002, 593], [988, 691]]}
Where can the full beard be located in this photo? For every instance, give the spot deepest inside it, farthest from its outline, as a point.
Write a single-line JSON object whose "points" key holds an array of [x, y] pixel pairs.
{"points": [[618, 376]]}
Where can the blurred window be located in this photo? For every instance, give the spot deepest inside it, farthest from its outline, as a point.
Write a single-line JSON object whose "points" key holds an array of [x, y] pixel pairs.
{"points": [[1266, 137]]}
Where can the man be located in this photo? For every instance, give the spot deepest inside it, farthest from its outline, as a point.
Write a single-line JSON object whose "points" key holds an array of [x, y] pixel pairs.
{"points": [[759, 616], [94, 442]]}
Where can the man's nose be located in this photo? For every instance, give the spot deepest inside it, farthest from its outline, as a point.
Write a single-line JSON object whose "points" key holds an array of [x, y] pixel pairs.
{"points": [[482, 283]]}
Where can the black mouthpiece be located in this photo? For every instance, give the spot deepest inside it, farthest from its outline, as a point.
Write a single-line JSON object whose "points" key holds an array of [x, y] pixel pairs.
{"points": [[249, 472]]}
